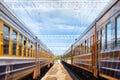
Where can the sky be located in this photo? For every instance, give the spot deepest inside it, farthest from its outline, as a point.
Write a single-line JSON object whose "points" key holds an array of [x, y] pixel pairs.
{"points": [[57, 23]]}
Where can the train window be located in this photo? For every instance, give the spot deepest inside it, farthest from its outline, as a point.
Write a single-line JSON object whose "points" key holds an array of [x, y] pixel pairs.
{"points": [[81, 49], [25, 41], [14, 36], [75, 51], [91, 43], [20, 44], [98, 36], [99, 40], [103, 38], [118, 31], [31, 49], [108, 35], [28, 47], [85, 47], [34, 49], [6, 39], [88, 45], [78, 50], [30, 52]]}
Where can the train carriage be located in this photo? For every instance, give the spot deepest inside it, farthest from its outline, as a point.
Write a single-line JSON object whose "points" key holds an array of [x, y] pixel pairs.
{"points": [[20, 49], [82, 50], [97, 51]]}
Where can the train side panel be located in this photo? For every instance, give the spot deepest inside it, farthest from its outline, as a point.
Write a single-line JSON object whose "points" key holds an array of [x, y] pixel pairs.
{"points": [[108, 43]]}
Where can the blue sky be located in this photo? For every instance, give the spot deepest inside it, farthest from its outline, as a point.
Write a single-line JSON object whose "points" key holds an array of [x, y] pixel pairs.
{"points": [[57, 22]]}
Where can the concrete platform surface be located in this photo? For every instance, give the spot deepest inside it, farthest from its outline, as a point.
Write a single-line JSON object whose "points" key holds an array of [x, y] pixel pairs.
{"points": [[57, 72]]}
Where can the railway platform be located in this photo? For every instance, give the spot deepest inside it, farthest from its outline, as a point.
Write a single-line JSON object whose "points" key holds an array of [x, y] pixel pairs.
{"points": [[57, 72]]}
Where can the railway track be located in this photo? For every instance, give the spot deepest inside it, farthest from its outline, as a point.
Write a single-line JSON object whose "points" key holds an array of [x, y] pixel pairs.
{"points": [[72, 73], [78, 74], [44, 70]]}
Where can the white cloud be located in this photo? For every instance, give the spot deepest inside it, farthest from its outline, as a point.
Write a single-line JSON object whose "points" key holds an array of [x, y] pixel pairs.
{"points": [[65, 27], [71, 27], [36, 25]]}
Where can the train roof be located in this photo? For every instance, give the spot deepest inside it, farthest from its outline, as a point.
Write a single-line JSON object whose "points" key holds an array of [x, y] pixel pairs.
{"points": [[44, 47], [67, 51], [106, 9]]}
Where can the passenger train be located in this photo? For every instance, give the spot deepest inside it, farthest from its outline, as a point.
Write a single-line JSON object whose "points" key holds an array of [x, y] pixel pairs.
{"points": [[97, 50], [21, 52]]}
